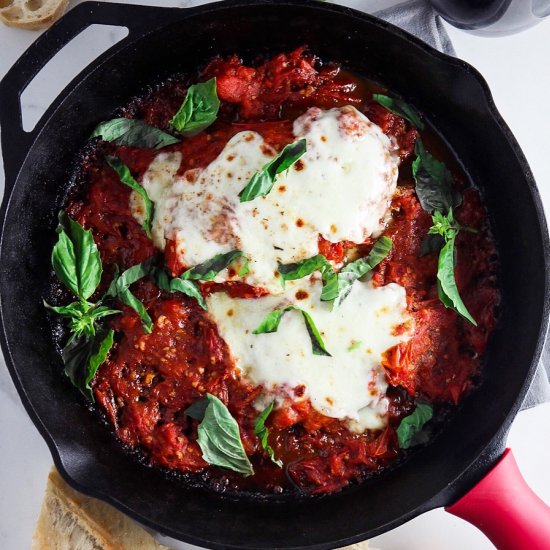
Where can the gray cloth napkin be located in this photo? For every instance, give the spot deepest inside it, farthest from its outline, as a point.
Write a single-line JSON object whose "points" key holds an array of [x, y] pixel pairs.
{"points": [[418, 18]]}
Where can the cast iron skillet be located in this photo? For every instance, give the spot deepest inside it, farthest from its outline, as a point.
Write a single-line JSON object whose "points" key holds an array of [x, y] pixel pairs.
{"points": [[162, 41]]}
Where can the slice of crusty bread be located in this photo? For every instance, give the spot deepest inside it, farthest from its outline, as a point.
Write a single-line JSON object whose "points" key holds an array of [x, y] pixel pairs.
{"points": [[31, 14], [71, 521]]}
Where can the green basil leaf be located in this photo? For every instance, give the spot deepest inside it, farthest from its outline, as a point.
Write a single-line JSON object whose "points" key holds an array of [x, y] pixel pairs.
{"points": [[83, 316], [75, 258], [73, 310], [291, 272], [83, 355], [132, 275], [355, 345], [189, 288], [161, 279], [400, 108], [245, 269], [445, 226], [127, 179], [198, 409], [262, 181], [447, 289], [199, 109], [272, 320], [134, 133], [99, 356], [357, 269], [413, 424], [120, 288], [434, 183], [317, 343], [219, 437], [299, 270], [209, 269], [431, 243], [262, 433], [126, 297], [330, 283], [102, 311]]}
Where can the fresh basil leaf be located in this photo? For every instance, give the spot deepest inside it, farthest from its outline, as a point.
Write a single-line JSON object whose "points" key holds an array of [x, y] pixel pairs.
{"points": [[413, 424], [359, 268], [102, 311], [445, 226], [99, 356], [434, 183], [245, 269], [161, 279], [272, 320], [355, 345], [262, 181], [131, 276], [219, 437], [262, 433], [317, 343], [82, 322], [447, 289], [299, 270], [330, 283], [291, 272], [75, 258], [199, 109], [209, 269], [134, 133], [198, 409], [189, 288], [431, 243], [126, 297], [120, 288], [127, 179], [400, 108], [73, 309], [83, 355]]}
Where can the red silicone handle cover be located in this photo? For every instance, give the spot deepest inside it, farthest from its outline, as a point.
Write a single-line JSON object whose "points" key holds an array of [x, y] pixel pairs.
{"points": [[505, 508]]}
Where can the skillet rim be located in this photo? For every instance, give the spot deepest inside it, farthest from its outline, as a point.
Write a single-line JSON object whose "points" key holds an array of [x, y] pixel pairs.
{"points": [[85, 10]]}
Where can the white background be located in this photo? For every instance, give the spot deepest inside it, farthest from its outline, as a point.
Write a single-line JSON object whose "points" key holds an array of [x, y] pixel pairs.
{"points": [[518, 71]]}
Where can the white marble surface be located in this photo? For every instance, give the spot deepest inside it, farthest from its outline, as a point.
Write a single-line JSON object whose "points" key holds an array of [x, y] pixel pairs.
{"points": [[518, 73]]}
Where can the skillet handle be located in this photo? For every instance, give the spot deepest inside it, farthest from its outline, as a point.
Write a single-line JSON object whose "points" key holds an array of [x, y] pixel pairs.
{"points": [[15, 141], [505, 508]]}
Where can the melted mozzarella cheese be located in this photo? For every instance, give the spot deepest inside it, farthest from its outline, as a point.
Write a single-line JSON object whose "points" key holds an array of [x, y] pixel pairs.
{"points": [[340, 188], [347, 176], [351, 384]]}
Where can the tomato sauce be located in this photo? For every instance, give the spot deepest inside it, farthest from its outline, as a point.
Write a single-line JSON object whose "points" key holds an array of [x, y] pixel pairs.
{"points": [[149, 380]]}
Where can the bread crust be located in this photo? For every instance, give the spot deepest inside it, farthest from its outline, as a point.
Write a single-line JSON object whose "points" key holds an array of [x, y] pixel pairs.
{"points": [[71, 521], [18, 14]]}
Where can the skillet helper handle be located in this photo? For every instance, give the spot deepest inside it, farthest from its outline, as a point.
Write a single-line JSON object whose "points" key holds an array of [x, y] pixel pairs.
{"points": [[15, 141], [505, 509]]}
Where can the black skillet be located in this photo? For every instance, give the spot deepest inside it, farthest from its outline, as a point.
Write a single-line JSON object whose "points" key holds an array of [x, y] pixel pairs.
{"points": [[453, 96]]}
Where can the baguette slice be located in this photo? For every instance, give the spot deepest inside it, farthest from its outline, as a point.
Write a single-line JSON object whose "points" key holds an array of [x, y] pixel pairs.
{"points": [[71, 521], [31, 14]]}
